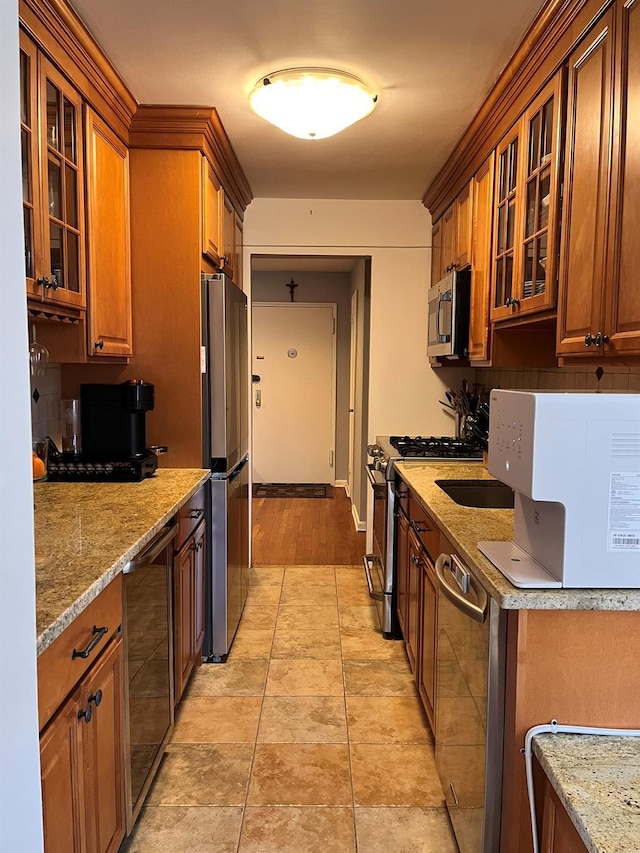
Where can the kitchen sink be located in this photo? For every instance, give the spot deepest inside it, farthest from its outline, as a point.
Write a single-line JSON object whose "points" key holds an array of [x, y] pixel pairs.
{"points": [[484, 494]]}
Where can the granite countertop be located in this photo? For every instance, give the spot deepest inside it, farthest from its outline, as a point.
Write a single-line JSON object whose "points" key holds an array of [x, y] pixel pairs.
{"points": [[466, 526], [85, 533], [597, 779]]}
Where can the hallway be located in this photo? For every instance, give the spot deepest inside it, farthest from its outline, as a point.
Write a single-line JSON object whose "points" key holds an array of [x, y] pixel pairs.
{"points": [[310, 738]]}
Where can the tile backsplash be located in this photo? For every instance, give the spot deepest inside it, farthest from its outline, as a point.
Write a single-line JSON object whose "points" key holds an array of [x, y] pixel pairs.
{"points": [[46, 395], [561, 378]]}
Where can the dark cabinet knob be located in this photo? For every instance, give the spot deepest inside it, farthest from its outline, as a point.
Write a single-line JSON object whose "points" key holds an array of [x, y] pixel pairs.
{"points": [[99, 344], [85, 714], [600, 339], [95, 697], [589, 339], [48, 283]]}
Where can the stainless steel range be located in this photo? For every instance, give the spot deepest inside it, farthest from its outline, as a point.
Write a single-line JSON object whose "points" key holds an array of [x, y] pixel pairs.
{"points": [[379, 566]]}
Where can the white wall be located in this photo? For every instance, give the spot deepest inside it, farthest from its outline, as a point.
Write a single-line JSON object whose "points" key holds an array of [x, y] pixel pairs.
{"points": [[404, 391], [20, 807]]}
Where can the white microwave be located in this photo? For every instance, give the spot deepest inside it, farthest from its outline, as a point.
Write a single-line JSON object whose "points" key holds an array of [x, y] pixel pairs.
{"points": [[448, 316]]}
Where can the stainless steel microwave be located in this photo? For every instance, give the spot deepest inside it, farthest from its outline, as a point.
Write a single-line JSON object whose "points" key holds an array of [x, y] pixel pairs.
{"points": [[448, 316]]}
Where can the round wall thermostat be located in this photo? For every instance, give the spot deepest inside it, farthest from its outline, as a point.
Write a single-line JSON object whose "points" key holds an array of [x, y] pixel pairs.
{"points": [[292, 353]]}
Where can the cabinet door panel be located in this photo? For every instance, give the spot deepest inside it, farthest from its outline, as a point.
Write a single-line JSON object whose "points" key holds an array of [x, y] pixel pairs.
{"points": [[63, 803], [228, 237], [103, 752], [32, 207], [506, 235], [622, 323], [413, 603], [211, 213], [62, 187], [108, 220], [448, 239], [464, 224], [402, 562], [436, 252], [481, 262], [586, 183], [198, 593]]}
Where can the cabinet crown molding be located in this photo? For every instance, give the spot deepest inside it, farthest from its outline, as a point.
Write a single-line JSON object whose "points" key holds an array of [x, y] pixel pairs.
{"points": [[197, 128]]}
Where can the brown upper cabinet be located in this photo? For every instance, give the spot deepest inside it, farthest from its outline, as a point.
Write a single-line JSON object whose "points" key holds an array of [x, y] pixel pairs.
{"points": [[108, 251], [482, 210], [527, 192], [451, 237], [52, 181], [211, 213], [599, 309]]}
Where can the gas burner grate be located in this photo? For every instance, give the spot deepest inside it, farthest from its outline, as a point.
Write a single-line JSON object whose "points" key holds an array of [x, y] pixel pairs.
{"points": [[440, 447]]}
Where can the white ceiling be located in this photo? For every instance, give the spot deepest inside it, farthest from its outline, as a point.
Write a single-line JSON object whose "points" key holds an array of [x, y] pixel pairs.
{"points": [[432, 63], [301, 263]]}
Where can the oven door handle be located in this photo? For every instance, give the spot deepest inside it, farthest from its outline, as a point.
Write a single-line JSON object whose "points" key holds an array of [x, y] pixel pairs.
{"points": [[374, 476], [149, 555], [367, 560], [478, 612]]}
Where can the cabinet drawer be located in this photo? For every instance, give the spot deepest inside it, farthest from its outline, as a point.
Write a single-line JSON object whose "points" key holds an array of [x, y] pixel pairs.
{"points": [[424, 527], [189, 516], [59, 669]]}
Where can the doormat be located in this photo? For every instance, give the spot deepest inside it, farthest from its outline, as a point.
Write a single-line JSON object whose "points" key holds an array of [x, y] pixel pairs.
{"points": [[292, 490]]}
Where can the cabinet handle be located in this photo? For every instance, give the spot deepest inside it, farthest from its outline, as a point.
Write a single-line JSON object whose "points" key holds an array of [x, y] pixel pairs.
{"points": [[48, 283], [420, 527], [98, 635], [515, 302], [95, 697], [196, 513], [193, 546], [99, 344], [600, 339], [86, 714], [589, 339], [224, 261]]}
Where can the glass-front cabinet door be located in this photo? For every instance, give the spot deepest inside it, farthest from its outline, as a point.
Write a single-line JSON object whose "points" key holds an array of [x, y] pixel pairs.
{"points": [[62, 188], [538, 270], [526, 216], [52, 181], [507, 237], [29, 148]]}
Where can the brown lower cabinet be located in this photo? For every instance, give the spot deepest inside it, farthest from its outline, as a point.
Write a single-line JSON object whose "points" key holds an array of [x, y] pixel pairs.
{"points": [[559, 835], [82, 763], [188, 607], [417, 600]]}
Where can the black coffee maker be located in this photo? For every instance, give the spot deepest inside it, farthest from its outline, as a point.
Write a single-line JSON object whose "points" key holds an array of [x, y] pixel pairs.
{"points": [[113, 431], [113, 419]]}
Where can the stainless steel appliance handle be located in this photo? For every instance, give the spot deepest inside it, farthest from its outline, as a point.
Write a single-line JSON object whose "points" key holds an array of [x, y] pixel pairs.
{"points": [[371, 476], [149, 555], [367, 560], [478, 612]]}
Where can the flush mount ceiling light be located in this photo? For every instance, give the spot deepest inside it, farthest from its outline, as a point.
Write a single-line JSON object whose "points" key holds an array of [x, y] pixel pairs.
{"points": [[312, 103]]}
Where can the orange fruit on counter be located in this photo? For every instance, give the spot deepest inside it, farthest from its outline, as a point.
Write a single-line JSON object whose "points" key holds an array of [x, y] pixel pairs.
{"points": [[38, 466]]}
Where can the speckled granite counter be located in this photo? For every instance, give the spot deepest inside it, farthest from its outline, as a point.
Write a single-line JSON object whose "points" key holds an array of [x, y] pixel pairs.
{"points": [[86, 532], [466, 526], [597, 779]]}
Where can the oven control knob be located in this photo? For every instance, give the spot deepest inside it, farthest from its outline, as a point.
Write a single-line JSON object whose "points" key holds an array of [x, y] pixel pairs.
{"points": [[373, 450], [108, 468]]}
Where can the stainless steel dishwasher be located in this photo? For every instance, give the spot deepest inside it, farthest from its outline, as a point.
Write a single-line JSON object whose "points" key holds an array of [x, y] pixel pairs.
{"points": [[470, 678], [149, 685]]}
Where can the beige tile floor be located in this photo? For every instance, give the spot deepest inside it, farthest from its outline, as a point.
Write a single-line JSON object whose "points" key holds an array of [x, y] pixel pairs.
{"points": [[310, 738]]}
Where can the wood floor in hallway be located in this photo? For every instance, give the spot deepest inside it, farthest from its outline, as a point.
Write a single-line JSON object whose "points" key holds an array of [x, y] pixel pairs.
{"points": [[306, 531], [310, 739]]}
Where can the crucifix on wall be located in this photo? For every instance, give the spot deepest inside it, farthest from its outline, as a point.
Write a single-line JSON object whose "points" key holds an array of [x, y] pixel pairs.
{"points": [[292, 286]]}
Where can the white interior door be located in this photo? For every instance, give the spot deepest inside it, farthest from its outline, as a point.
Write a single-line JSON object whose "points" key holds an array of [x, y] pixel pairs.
{"points": [[294, 400], [352, 389]]}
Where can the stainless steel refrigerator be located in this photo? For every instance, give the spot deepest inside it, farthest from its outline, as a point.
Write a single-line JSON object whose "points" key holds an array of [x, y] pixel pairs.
{"points": [[224, 365]]}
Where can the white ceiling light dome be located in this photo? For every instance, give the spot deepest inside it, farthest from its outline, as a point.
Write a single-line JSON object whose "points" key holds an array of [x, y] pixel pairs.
{"points": [[312, 103]]}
